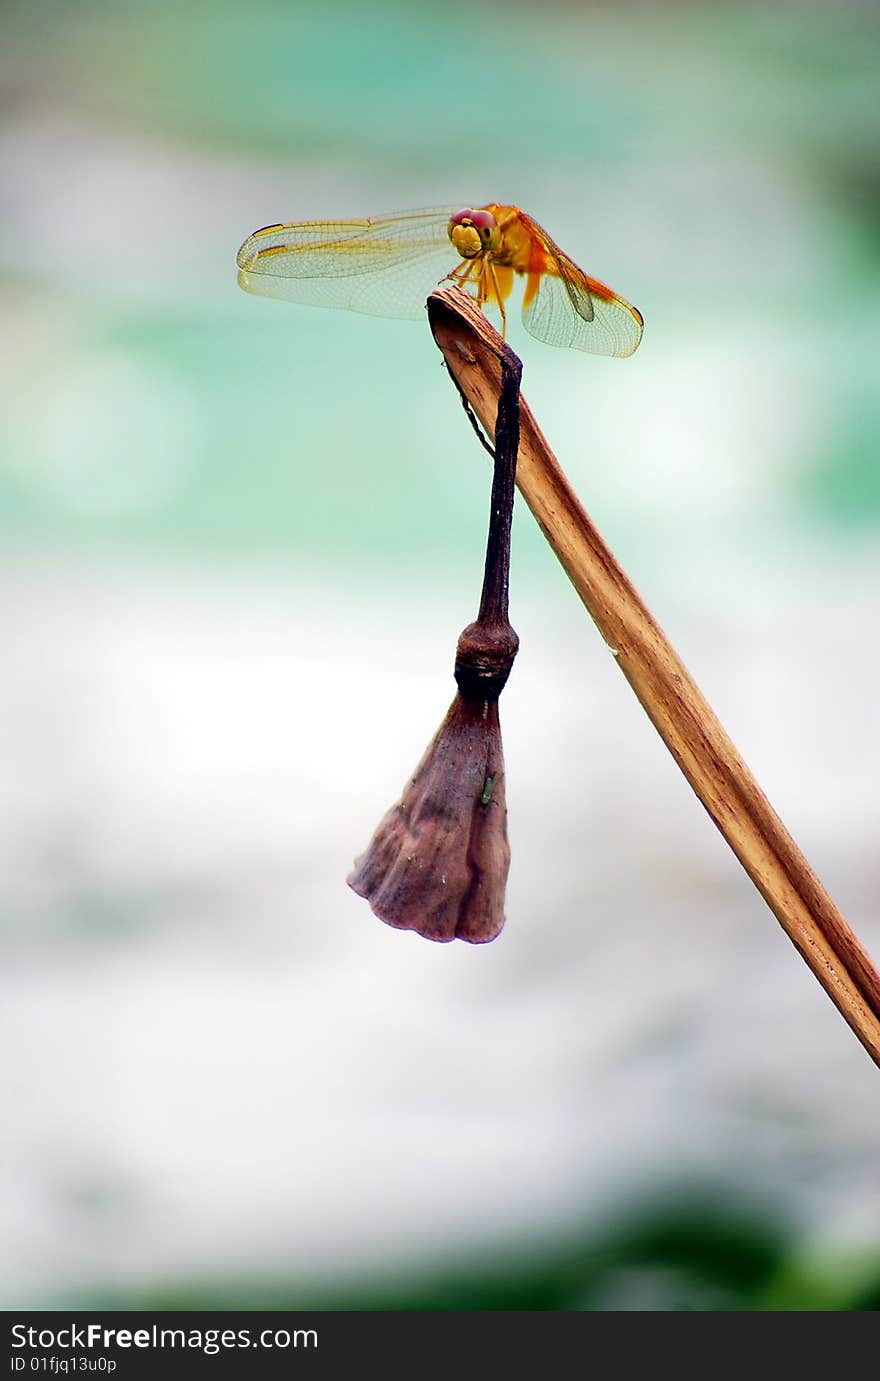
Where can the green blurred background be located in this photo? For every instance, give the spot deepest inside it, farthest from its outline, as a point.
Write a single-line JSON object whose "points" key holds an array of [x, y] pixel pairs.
{"points": [[240, 540]]}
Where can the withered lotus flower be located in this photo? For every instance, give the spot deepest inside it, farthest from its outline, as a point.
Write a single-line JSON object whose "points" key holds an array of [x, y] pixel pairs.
{"points": [[438, 862]]}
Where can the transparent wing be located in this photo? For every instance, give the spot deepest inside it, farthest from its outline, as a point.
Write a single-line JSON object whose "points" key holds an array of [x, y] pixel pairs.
{"points": [[385, 266], [568, 314], [571, 309]]}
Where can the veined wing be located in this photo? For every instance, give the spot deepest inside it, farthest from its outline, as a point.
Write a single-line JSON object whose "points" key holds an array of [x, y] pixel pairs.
{"points": [[385, 266], [571, 309]]}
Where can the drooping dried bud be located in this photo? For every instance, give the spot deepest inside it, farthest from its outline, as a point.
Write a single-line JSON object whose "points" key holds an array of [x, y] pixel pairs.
{"points": [[438, 862]]}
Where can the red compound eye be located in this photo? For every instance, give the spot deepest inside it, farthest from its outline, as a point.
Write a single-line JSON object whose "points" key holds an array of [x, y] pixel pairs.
{"points": [[481, 220]]}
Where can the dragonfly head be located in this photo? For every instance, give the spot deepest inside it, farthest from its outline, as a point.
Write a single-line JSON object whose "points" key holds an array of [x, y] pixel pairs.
{"points": [[474, 233]]}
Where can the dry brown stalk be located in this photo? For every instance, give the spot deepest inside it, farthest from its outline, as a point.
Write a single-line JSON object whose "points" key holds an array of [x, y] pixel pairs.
{"points": [[472, 350]]}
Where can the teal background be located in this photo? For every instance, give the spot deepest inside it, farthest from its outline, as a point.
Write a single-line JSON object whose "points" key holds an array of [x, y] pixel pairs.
{"points": [[239, 541]]}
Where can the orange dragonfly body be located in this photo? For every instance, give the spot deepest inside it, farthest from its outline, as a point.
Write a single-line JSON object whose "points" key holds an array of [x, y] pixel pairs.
{"points": [[387, 265]]}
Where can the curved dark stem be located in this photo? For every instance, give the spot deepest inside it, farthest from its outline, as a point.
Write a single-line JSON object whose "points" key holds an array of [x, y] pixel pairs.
{"points": [[472, 417], [496, 579]]}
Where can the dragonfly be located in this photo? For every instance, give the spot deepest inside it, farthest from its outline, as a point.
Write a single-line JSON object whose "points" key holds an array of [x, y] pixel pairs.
{"points": [[387, 265]]}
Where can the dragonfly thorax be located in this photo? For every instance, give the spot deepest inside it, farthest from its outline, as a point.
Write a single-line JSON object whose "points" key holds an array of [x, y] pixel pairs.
{"points": [[474, 233]]}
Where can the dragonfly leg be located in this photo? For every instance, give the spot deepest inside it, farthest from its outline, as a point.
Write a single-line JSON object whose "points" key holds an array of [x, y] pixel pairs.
{"points": [[486, 289], [480, 280], [499, 299], [469, 271], [460, 273]]}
